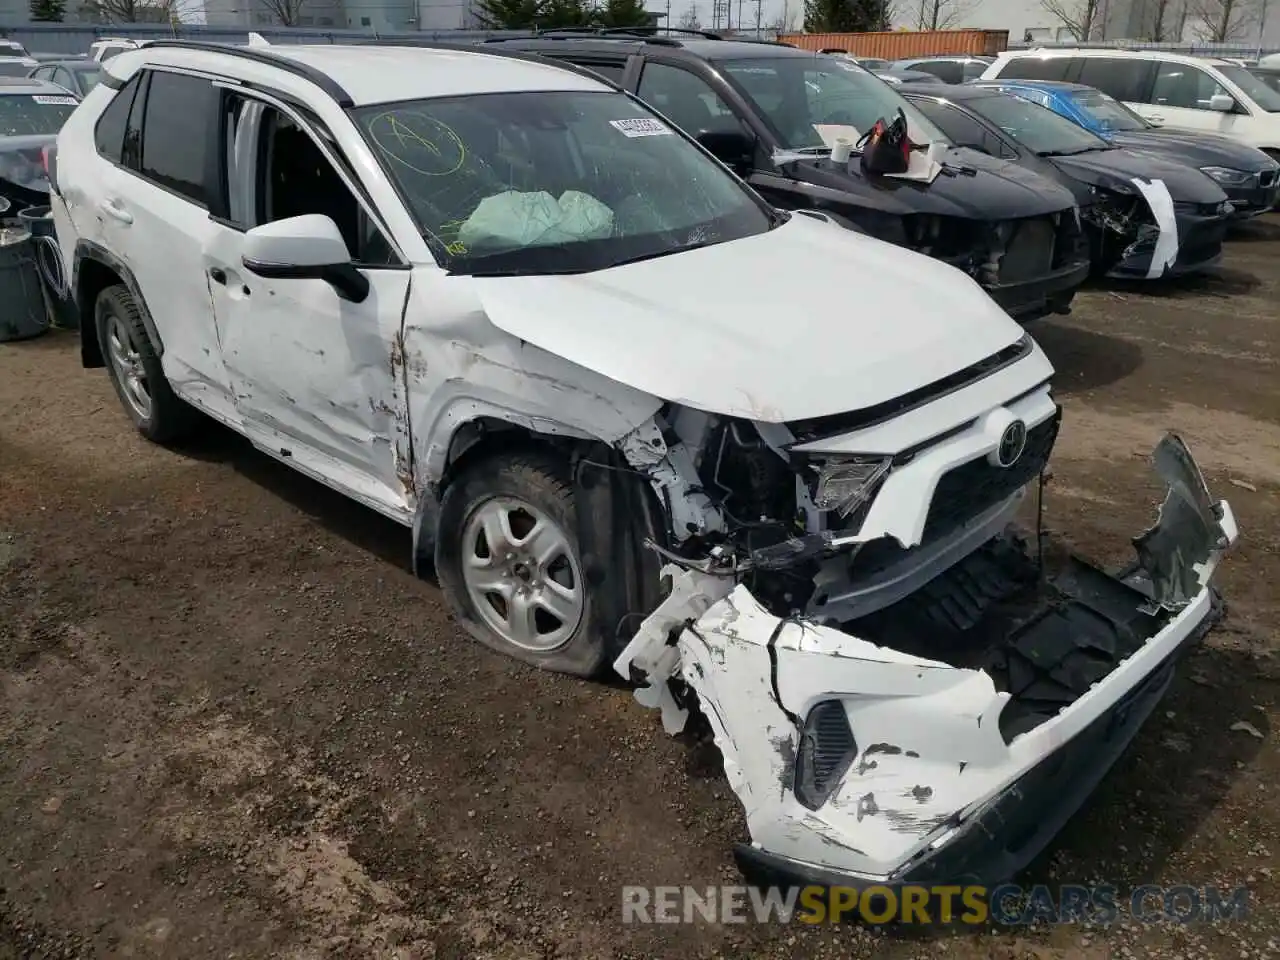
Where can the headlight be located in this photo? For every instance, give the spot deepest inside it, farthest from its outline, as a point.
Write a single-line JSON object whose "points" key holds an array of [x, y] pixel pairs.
{"points": [[1227, 175], [845, 485], [827, 751]]}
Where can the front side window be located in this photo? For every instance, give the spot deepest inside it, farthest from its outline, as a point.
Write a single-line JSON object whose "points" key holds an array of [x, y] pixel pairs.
{"points": [[1038, 129], [179, 116], [1182, 85], [609, 69], [811, 101], [286, 174], [28, 115], [1253, 87], [973, 69], [1108, 112], [554, 182]]}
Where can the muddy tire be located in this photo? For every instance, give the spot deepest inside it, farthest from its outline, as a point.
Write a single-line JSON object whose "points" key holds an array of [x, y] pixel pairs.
{"points": [[135, 370], [508, 560]]}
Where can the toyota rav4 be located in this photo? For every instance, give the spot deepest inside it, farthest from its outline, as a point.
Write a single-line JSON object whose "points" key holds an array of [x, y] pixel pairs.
{"points": [[632, 416]]}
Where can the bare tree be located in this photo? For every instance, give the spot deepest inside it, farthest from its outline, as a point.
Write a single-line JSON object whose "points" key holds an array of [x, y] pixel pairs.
{"points": [[1078, 16], [940, 14], [287, 13], [1169, 18], [141, 11], [689, 19], [787, 21], [1218, 21]]}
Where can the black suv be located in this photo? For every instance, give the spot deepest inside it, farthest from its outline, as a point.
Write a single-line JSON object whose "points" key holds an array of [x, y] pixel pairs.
{"points": [[764, 109]]}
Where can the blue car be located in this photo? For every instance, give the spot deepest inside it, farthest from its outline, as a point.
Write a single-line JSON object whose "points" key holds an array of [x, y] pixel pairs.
{"points": [[1250, 179]]}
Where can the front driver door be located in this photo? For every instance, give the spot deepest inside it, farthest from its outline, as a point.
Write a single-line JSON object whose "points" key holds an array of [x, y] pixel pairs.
{"points": [[316, 377], [1180, 100]]}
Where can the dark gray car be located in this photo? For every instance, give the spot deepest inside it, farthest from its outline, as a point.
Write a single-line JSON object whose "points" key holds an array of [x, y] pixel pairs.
{"points": [[31, 114], [78, 76]]}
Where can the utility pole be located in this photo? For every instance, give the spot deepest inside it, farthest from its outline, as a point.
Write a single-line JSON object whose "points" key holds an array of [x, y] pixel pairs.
{"points": [[739, 16], [758, 15], [1262, 27]]}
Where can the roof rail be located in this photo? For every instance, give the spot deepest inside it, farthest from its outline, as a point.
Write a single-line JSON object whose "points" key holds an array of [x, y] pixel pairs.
{"points": [[664, 31], [266, 56], [590, 33]]}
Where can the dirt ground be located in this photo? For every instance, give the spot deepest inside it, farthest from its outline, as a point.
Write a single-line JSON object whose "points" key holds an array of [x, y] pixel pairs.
{"points": [[233, 724]]}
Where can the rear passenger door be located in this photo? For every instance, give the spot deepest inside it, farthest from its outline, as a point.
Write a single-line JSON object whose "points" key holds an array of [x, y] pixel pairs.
{"points": [[153, 207]]}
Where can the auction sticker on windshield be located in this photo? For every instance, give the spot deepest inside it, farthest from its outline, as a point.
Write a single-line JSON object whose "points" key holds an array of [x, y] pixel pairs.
{"points": [[641, 127], [42, 98]]}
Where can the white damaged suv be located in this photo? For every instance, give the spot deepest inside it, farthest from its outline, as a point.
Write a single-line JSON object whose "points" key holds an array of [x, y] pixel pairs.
{"points": [[763, 465]]}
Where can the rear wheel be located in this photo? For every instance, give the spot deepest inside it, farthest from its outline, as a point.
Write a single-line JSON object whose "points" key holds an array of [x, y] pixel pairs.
{"points": [[135, 370], [508, 560]]}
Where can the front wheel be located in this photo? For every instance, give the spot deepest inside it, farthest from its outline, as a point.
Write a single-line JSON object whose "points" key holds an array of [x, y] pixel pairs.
{"points": [[509, 563]]}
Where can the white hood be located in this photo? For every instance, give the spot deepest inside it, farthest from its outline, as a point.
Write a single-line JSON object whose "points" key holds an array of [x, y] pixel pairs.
{"points": [[806, 320]]}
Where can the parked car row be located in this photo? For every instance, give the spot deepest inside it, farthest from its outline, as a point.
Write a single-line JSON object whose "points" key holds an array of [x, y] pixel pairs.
{"points": [[637, 411]]}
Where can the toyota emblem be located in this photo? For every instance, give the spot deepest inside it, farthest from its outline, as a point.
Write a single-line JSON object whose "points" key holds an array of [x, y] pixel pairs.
{"points": [[1012, 442]]}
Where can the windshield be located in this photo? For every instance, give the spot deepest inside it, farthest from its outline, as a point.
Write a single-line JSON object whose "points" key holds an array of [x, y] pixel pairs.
{"points": [[1035, 127], [89, 77], [809, 102], [1270, 77], [29, 116], [1110, 113], [1257, 91], [560, 182]]}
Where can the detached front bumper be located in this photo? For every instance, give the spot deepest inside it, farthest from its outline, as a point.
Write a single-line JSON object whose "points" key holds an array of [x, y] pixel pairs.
{"points": [[861, 764]]}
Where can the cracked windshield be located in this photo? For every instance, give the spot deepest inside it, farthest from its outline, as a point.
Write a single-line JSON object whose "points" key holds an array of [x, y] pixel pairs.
{"points": [[812, 101], [554, 182]]}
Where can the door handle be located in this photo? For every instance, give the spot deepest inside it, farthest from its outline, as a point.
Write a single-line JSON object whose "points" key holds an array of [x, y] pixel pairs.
{"points": [[112, 209], [218, 275]]}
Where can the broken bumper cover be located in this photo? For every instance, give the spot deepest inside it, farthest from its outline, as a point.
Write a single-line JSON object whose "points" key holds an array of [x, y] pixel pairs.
{"points": [[921, 775]]}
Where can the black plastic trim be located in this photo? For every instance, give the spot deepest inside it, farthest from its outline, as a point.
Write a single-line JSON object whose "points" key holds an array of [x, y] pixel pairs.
{"points": [[88, 250], [322, 80]]}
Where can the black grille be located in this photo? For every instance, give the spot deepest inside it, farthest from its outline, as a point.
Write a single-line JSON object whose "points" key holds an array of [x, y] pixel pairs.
{"points": [[1029, 254], [967, 490], [1266, 178], [807, 430]]}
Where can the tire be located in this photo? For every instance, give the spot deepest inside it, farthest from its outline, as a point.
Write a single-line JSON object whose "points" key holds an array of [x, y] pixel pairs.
{"points": [[533, 492], [135, 370]]}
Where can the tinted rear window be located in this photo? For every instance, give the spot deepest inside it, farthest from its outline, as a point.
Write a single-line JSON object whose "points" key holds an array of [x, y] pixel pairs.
{"points": [[1036, 68], [30, 116]]}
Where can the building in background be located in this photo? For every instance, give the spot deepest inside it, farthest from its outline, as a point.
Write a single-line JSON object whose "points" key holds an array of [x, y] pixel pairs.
{"points": [[1029, 21]]}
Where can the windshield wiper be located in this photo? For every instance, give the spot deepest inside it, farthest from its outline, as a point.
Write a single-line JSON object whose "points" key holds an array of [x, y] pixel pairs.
{"points": [[1070, 153], [816, 151]]}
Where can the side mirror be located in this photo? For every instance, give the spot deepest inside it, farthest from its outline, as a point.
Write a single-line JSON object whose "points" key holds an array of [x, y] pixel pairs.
{"points": [[1222, 102], [734, 148], [309, 247]]}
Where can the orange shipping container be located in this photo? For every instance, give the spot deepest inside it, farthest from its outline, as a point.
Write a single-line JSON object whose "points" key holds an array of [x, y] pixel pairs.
{"points": [[901, 44]]}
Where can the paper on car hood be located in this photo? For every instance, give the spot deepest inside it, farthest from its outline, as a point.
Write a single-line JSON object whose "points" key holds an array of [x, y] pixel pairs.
{"points": [[806, 320]]}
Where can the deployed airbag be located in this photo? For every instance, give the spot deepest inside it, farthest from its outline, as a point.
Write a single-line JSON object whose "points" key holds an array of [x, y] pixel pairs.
{"points": [[513, 219]]}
